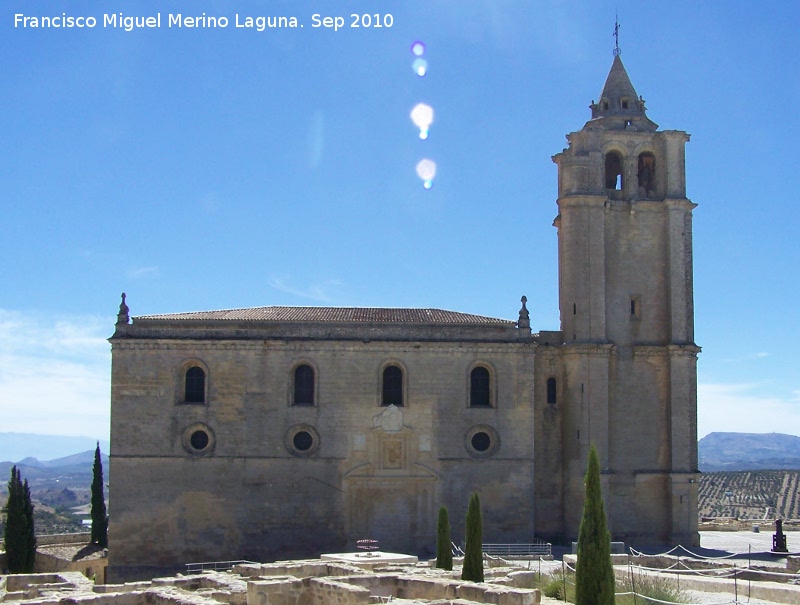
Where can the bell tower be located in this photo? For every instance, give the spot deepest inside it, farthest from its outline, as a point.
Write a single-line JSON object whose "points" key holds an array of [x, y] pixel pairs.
{"points": [[628, 359]]}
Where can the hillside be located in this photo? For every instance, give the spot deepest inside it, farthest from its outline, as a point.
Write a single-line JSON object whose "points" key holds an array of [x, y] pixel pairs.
{"points": [[58, 487], [748, 451], [771, 494]]}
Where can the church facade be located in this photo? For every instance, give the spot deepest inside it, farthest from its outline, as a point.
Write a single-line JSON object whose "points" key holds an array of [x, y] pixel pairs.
{"points": [[282, 432]]}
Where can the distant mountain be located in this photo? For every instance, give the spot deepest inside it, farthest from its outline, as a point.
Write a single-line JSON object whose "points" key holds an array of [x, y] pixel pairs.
{"points": [[32, 468], [15, 447], [81, 460], [748, 451]]}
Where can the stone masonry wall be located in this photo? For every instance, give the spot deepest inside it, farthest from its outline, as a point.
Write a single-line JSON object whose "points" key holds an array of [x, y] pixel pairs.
{"points": [[371, 471]]}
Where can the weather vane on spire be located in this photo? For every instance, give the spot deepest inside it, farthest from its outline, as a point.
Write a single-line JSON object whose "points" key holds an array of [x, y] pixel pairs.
{"points": [[617, 50]]}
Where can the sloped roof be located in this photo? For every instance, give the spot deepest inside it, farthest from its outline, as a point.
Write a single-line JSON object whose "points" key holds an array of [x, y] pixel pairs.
{"points": [[618, 85], [619, 107], [332, 315]]}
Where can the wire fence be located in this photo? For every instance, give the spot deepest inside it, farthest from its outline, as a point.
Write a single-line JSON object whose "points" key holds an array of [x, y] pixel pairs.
{"points": [[194, 568], [721, 575]]}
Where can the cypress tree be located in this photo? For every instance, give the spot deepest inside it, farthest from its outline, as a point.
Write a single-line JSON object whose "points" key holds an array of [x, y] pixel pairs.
{"points": [[472, 568], [30, 532], [444, 549], [19, 536], [594, 575], [99, 516]]}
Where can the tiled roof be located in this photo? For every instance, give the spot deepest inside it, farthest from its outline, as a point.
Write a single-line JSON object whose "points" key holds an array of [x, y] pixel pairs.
{"points": [[332, 314]]}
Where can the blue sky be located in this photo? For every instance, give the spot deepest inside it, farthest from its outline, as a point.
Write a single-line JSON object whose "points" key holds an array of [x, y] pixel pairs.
{"points": [[199, 169]]}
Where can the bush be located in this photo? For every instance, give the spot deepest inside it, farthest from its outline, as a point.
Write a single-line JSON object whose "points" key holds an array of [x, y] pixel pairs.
{"points": [[553, 587], [658, 588]]}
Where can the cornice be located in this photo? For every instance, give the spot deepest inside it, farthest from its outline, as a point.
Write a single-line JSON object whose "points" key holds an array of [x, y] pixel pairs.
{"points": [[582, 200], [316, 345], [680, 204], [684, 350]]}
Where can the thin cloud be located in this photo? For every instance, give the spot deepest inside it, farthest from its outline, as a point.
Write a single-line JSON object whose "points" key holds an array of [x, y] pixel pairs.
{"points": [[54, 374], [744, 408], [143, 272], [316, 292]]}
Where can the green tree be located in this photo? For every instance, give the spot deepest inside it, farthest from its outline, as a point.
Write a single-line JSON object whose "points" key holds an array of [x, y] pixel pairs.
{"points": [[99, 516], [19, 536], [444, 549], [472, 568], [594, 575]]}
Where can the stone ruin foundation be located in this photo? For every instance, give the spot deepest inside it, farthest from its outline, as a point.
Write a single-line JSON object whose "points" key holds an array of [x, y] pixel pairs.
{"points": [[311, 582]]}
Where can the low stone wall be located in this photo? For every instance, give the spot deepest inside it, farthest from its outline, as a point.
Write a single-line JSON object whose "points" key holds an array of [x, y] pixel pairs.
{"points": [[308, 591], [50, 539], [91, 568], [572, 560], [357, 589], [313, 568], [767, 591], [323, 583], [754, 572]]}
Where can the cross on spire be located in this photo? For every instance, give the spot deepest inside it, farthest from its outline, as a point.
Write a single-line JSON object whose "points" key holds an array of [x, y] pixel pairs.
{"points": [[617, 50]]}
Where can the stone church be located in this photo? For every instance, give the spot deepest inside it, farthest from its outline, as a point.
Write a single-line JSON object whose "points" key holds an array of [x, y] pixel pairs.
{"points": [[282, 432]]}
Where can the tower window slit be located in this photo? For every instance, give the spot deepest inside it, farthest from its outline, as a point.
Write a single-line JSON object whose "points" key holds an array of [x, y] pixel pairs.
{"points": [[552, 393], [614, 178]]}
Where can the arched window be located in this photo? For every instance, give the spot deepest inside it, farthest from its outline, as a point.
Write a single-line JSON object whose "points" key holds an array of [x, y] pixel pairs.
{"points": [[392, 391], [195, 387], [303, 385], [647, 174], [552, 393], [480, 388], [614, 171]]}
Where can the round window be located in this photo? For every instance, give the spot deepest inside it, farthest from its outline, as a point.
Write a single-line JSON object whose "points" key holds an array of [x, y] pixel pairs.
{"points": [[481, 441], [302, 440], [198, 439]]}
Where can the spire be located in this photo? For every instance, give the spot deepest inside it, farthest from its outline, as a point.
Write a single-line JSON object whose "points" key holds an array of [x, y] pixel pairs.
{"points": [[524, 322], [619, 105], [123, 319], [123, 316]]}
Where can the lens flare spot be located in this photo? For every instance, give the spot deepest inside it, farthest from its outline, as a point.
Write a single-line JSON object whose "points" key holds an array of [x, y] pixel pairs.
{"points": [[420, 67], [426, 170], [418, 48], [422, 116]]}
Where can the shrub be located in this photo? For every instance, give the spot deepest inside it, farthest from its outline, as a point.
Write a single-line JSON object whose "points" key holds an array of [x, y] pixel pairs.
{"points": [[472, 568], [444, 548]]}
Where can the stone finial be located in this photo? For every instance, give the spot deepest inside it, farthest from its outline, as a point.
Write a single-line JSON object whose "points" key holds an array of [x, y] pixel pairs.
{"points": [[390, 419], [524, 322], [123, 317]]}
